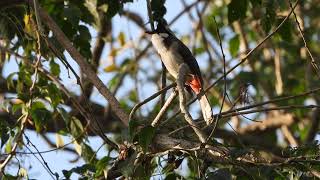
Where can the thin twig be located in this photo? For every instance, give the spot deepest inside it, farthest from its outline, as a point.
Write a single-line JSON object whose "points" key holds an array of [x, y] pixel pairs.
{"points": [[164, 108], [135, 108], [313, 62], [289, 107], [225, 82], [15, 146], [43, 160]]}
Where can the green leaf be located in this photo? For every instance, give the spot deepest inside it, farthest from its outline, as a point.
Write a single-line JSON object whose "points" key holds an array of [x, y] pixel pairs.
{"points": [[133, 126], [16, 107], [237, 10], [24, 77], [220, 174], [88, 154], [54, 94], [255, 2], [40, 115], [84, 33], [269, 17], [285, 30], [101, 165], [79, 170], [146, 136], [54, 68], [8, 146], [171, 176], [82, 41], [234, 45], [133, 96], [65, 116], [72, 13], [10, 81], [76, 128], [4, 138], [5, 105], [199, 50], [114, 7]]}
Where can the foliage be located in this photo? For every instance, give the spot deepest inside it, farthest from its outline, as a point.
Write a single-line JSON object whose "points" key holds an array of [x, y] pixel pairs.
{"points": [[281, 74]]}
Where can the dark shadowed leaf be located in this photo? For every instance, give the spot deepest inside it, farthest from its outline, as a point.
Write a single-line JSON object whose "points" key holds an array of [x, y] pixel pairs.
{"points": [[285, 30], [256, 2], [220, 174], [114, 7], [171, 176], [72, 13], [237, 10], [102, 165], [269, 17], [145, 137], [79, 170], [40, 115]]}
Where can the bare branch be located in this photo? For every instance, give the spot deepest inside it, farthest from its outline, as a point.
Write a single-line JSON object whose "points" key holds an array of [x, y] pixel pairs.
{"points": [[164, 108]]}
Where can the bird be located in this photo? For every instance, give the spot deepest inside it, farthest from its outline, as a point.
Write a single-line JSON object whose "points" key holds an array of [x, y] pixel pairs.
{"points": [[173, 53]]}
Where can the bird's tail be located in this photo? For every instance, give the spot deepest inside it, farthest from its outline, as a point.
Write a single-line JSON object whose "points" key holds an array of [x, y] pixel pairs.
{"points": [[206, 109]]}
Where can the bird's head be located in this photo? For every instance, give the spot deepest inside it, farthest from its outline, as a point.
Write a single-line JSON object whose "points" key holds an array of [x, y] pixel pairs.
{"points": [[162, 27]]}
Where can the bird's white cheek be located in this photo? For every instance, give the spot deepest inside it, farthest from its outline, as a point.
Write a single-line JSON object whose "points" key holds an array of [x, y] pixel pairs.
{"points": [[157, 42]]}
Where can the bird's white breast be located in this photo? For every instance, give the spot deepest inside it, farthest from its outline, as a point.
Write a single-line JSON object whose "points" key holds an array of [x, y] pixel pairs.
{"points": [[169, 55]]}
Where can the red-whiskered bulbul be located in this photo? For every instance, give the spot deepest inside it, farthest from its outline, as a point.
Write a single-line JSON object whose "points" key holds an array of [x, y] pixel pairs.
{"points": [[173, 53]]}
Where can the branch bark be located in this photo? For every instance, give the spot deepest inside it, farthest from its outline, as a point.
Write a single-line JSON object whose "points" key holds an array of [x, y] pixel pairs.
{"points": [[85, 66]]}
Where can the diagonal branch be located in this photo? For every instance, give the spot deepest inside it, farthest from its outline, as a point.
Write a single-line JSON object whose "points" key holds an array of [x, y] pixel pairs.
{"points": [[85, 66]]}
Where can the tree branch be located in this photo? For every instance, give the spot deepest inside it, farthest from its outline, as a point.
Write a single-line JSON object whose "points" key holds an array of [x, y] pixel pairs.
{"points": [[85, 67]]}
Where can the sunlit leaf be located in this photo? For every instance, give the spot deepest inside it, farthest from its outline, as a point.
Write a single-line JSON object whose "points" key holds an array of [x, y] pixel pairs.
{"points": [[29, 25], [59, 140], [54, 68], [122, 38], [5, 105], [8, 146], [77, 147], [111, 68], [23, 172], [234, 44], [76, 128]]}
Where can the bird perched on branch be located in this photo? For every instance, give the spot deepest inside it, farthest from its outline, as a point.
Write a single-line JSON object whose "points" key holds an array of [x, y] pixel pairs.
{"points": [[173, 53]]}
